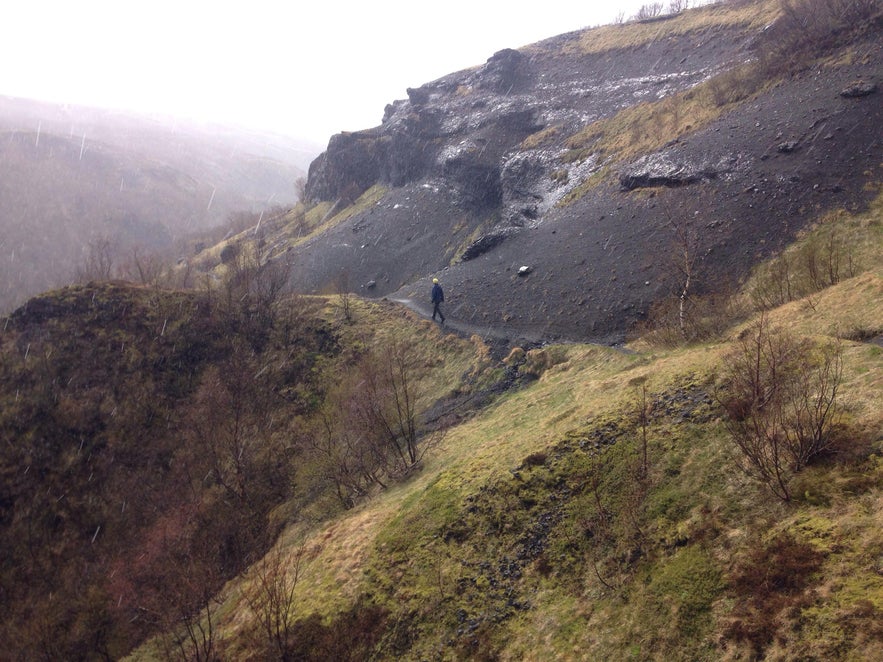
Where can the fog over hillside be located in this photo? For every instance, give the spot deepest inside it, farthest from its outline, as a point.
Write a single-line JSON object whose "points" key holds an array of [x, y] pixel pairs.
{"points": [[71, 176]]}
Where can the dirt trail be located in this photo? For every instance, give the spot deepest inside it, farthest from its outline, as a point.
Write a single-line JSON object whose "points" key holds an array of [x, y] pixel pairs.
{"points": [[501, 340]]}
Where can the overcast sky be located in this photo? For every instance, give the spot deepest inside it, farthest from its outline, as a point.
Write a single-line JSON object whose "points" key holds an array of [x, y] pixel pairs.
{"points": [[304, 69]]}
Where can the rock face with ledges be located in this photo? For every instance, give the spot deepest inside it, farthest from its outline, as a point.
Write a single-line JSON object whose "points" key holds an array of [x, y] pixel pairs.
{"points": [[482, 176]]}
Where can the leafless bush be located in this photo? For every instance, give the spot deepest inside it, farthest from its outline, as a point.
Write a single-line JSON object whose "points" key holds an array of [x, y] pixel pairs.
{"points": [[780, 399], [344, 296], [250, 293], [370, 432], [145, 268], [272, 598], [189, 636], [677, 6], [340, 458], [648, 11], [385, 403], [809, 28], [98, 263], [822, 260]]}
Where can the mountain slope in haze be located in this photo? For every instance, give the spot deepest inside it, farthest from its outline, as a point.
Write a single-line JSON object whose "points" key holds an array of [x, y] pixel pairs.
{"points": [[234, 473], [590, 158], [70, 176]]}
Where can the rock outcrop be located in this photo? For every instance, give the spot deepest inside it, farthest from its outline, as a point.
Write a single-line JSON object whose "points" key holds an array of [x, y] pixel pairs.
{"points": [[489, 169]]}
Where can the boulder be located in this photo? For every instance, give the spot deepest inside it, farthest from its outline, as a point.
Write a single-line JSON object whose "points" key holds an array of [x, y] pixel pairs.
{"points": [[500, 73], [859, 89], [483, 244], [661, 169]]}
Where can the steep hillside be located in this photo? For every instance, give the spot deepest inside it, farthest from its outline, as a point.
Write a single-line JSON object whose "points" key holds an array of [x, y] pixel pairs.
{"points": [[72, 176], [154, 444], [240, 472], [568, 502], [591, 158], [603, 510], [109, 442]]}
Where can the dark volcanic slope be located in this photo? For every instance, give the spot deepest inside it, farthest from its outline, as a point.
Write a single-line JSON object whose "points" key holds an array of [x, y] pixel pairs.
{"points": [[452, 152], [472, 194], [598, 265]]}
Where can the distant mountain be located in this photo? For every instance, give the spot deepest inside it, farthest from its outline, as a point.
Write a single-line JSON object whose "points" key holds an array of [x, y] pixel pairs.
{"points": [[70, 175]]}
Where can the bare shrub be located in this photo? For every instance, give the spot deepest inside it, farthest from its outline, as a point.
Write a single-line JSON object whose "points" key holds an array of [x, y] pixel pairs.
{"points": [[648, 11], [810, 28], [344, 296], [827, 258], [250, 294], [272, 598], [385, 403], [341, 458], [98, 263], [152, 268], [780, 399], [194, 639], [369, 432], [823, 259], [677, 6]]}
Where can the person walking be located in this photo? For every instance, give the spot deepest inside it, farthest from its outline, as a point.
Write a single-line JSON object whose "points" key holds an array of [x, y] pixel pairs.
{"points": [[438, 295]]}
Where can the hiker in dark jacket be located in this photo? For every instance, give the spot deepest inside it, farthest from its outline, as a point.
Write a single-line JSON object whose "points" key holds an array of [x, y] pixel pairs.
{"points": [[438, 295]]}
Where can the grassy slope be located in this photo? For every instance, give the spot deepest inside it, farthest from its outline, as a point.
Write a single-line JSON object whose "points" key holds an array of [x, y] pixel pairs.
{"points": [[496, 548], [648, 126]]}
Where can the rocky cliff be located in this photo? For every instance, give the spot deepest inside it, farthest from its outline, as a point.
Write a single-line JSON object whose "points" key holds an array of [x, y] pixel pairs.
{"points": [[584, 158]]}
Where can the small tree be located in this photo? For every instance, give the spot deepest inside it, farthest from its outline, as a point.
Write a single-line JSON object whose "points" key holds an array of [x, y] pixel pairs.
{"points": [[643, 420], [677, 6], [98, 265], [344, 296], [648, 11], [780, 399], [686, 250], [300, 189], [272, 598]]}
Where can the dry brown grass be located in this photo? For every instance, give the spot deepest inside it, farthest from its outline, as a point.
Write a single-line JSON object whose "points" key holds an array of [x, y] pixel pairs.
{"points": [[751, 15], [647, 127]]}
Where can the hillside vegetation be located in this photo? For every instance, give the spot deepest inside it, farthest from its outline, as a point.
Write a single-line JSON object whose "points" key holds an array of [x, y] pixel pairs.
{"points": [[207, 466], [600, 512], [215, 470]]}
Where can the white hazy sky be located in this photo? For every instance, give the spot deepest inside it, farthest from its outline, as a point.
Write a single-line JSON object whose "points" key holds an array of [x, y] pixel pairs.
{"points": [[303, 69]]}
